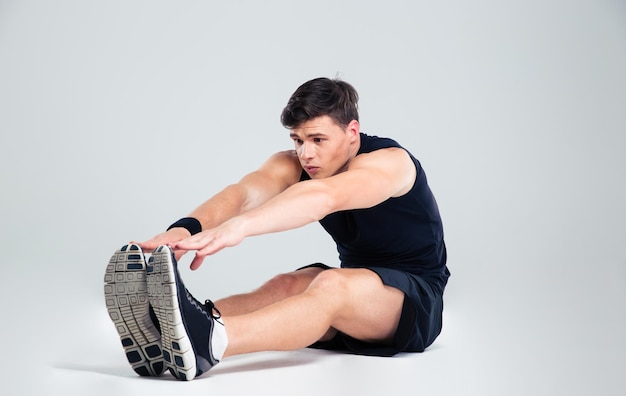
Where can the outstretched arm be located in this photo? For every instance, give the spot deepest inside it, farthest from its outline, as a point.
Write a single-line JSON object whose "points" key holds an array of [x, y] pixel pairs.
{"points": [[370, 179], [274, 176]]}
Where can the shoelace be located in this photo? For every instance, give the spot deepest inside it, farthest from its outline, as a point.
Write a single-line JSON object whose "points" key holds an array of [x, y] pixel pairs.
{"points": [[208, 307], [211, 308]]}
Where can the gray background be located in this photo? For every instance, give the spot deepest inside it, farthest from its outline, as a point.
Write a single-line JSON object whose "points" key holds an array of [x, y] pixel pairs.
{"points": [[118, 117]]}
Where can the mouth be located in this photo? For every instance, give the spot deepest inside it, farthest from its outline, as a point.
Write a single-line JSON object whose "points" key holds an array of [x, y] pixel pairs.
{"points": [[311, 170]]}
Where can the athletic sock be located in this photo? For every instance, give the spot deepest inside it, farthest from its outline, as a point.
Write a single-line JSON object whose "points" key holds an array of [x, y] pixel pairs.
{"points": [[219, 340]]}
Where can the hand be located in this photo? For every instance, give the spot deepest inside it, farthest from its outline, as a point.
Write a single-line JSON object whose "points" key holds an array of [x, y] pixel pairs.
{"points": [[211, 241], [165, 238]]}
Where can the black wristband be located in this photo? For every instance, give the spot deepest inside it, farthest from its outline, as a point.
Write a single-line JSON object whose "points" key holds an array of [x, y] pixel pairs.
{"points": [[191, 224]]}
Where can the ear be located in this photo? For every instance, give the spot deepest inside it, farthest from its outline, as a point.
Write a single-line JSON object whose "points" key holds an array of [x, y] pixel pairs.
{"points": [[354, 129]]}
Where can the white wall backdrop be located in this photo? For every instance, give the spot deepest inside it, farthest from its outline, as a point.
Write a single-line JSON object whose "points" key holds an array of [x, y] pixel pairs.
{"points": [[118, 117]]}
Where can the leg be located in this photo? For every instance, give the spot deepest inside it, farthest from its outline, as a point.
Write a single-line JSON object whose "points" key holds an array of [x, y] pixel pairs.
{"points": [[196, 336], [336, 299], [278, 288], [190, 328]]}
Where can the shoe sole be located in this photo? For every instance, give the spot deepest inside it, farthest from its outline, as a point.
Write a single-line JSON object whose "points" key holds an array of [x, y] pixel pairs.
{"points": [[126, 298], [178, 353]]}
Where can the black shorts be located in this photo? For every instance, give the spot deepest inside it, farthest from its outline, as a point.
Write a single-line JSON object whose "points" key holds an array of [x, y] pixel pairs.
{"points": [[420, 321]]}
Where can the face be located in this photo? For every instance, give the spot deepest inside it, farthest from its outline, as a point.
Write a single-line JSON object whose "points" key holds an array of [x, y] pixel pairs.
{"points": [[325, 148]]}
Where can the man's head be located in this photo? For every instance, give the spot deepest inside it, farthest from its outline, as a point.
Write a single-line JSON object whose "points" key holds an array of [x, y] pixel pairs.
{"points": [[323, 121], [318, 97]]}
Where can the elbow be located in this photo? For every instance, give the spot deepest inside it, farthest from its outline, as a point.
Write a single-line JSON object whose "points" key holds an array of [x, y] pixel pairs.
{"points": [[239, 198], [327, 201]]}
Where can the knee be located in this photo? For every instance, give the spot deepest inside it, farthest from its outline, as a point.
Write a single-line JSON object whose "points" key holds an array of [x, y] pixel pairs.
{"points": [[331, 280]]}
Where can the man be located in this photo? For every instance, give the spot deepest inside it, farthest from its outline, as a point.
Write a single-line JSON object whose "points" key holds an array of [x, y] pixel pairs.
{"points": [[369, 193]]}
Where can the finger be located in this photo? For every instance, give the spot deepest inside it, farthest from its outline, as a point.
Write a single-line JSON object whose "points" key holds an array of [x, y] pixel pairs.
{"points": [[196, 262], [193, 243], [210, 249]]}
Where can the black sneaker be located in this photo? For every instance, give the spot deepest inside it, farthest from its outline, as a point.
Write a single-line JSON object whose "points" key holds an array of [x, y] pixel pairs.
{"points": [[187, 325], [126, 298]]}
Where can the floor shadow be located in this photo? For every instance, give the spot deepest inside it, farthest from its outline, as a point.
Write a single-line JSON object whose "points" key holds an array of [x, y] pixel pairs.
{"points": [[288, 360], [233, 365], [120, 371], [107, 370]]}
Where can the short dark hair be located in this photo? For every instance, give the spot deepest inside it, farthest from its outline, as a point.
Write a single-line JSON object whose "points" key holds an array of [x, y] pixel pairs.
{"points": [[318, 97]]}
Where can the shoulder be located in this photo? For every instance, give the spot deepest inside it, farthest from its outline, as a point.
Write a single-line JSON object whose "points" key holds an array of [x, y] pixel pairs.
{"points": [[386, 149], [283, 165], [286, 158], [383, 157], [393, 163]]}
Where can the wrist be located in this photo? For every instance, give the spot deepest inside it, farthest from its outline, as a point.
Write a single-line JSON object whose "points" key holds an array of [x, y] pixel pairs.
{"points": [[191, 224]]}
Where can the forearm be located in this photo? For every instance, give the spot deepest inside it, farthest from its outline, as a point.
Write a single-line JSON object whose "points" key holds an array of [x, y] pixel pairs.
{"points": [[222, 207]]}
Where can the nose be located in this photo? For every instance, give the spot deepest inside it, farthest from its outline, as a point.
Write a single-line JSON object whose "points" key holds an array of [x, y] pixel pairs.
{"points": [[306, 151]]}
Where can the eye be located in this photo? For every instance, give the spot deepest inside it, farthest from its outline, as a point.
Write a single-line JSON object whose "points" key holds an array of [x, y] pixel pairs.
{"points": [[298, 141], [318, 140]]}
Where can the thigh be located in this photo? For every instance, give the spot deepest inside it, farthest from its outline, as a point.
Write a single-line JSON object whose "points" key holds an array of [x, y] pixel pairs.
{"points": [[367, 309]]}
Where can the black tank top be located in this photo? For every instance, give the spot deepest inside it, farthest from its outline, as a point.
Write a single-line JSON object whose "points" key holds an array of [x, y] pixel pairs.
{"points": [[404, 233]]}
